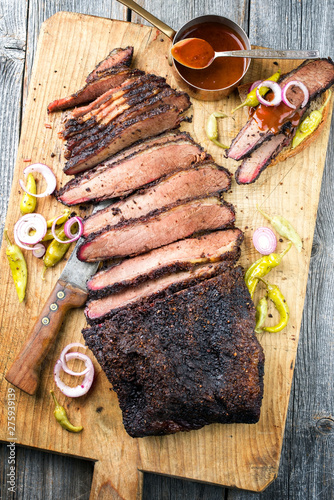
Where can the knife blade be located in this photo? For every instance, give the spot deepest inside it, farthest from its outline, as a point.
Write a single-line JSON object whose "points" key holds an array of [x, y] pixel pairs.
{"points": [[69, 292]]}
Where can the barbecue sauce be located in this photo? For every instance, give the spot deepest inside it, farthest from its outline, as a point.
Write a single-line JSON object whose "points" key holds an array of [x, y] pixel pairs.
{"points": [[193, 52], [273, 117], [224, 71]]}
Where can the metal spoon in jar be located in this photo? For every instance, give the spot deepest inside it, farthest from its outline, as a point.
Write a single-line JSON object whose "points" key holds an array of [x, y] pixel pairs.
{"points": [[196, 53]]}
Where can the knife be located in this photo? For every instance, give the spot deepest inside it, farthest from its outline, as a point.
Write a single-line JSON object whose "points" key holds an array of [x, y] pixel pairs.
{"points": [[69, 292]]}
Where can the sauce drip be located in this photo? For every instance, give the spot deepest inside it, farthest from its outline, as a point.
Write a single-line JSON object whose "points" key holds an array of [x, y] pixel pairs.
{"points": [[193, 52], [273, 117], [224, 71]]}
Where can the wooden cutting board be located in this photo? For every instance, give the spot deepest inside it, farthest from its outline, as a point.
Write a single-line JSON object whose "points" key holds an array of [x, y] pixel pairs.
{"points": [[243, 456]]}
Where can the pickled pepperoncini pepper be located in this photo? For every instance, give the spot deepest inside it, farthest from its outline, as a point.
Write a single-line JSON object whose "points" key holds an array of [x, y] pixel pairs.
{"points": [[18, 267], [261, 314], [278, 299], [61, 220], [212, 128], [28, 202], [309, 124], [284, 228], [55, 251], [61, 417], [262, 267], [251, 99]]}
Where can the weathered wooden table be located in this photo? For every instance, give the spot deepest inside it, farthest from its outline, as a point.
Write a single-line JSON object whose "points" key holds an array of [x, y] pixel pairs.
{"points": [[306, 470]]}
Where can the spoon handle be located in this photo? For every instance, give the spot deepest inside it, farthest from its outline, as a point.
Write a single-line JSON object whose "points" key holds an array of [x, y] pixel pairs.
{"points": [[271, 54]]}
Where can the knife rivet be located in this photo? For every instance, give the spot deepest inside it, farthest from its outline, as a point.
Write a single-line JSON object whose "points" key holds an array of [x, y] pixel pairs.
{"points": [[53, 307], [60, 295], [45, 320]]}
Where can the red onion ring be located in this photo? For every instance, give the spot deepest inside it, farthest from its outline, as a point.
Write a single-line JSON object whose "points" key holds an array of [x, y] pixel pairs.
{"points": [[26, 224], [68, 225], [38, 250], [303, 87], [81, 389], [62, 357], [48, 175], [70, 240], [264, 240], [277, 93], [254, 85]]}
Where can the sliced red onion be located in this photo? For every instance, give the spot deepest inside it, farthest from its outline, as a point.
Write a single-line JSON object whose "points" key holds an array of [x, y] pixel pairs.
{"points": [[68, 225], [277, 93], [81, 389], [48, 175], [254, 85], [62, 359], [38, 250], [74, 238], [264, 240], [26, 224], [295, 83]]}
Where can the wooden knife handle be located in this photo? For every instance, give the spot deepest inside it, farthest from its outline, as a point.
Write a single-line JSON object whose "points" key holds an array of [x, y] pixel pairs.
{"points": [[24, 372]]}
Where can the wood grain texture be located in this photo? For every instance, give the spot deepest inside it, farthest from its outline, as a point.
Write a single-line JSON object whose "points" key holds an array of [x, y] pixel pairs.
{"points": [[303, 475]]}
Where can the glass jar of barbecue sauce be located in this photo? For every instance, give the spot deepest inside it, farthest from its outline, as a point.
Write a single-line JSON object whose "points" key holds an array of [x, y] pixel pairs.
{"points": [[225, 73]]}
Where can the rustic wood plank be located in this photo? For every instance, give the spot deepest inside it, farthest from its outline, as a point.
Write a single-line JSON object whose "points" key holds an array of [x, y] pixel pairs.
{"points": [[13, 15], [40, 10], [306, 469]]}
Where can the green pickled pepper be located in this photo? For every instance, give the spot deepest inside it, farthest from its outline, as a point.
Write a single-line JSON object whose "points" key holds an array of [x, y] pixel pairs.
{"points": [[309, 124], [251, 99], [55, 251], [18, 267], [28, 202], [212, 128]]}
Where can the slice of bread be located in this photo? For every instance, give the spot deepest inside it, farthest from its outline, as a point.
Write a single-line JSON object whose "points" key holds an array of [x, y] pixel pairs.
{"points": [[316, 103]]}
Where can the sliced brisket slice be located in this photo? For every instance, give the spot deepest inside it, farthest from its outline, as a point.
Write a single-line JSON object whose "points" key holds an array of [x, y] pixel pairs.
{"points": [[186, 360], [113, 115], [108, 101], [149, 101], [252, 166], [117, 57], [147, 124], [317, 75], [76, 114], [160, 229], [139, 165], [179, 256], [99, 309], [200, 180], [111, 78]]}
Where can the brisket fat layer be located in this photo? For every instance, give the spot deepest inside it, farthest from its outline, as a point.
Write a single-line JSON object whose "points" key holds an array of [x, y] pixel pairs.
{"points": [[147, 124], [162, 228], [117, 57], [206, 179], [184, 361], [139, 165], [178, 256], [317, 75]]}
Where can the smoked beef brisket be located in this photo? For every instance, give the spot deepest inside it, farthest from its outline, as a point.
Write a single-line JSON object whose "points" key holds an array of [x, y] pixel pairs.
{"points": [[117, 57], [133, 168], [184, 361], [204, 179], [178, 256], [146, 233], [317, 75]]}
